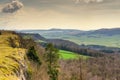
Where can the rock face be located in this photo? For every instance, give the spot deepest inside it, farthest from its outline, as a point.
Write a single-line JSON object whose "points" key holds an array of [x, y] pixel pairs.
{"points": [[22, 73], [23, 69], [13, 64]]}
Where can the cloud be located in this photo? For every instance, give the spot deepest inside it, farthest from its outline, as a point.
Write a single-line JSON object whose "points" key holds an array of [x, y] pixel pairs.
{"points": [[89, 1], [12, 7]]}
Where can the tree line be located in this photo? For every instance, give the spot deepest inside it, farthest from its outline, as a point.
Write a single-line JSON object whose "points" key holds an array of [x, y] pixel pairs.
{"points": [[73, 47]]}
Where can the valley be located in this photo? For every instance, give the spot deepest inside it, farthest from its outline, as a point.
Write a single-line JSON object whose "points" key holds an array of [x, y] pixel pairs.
{"points": [[28, 56], [103, 37]]}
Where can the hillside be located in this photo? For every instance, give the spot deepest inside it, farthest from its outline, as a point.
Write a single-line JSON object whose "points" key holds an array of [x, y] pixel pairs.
{"points": [[18, 56], [12, 62], [104, 37], [105, 32], [34, 36], [23, 59], [63, 45]]}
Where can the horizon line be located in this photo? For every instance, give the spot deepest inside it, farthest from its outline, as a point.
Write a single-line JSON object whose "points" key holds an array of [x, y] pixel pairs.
{"points": [[59, 29]]}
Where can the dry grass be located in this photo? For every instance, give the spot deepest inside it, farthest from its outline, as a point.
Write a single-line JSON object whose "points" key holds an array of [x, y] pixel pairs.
{"points": [[9, 57]]}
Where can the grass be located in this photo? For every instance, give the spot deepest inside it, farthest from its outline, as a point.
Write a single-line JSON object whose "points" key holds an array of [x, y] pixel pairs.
{"points": [[70, 55], [110, 41], [9, 58]]}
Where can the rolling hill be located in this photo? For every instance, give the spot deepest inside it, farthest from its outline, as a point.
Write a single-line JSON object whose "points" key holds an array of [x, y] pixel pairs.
{"points": [[64, 45], [105, 37]]}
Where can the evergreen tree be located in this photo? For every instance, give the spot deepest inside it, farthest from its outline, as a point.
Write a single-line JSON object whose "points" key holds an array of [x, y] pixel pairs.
{"points": [[52, 58]]}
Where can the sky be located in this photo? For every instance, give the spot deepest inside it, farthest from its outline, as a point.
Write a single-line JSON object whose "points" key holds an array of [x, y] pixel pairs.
{"points": [[63, 14]]}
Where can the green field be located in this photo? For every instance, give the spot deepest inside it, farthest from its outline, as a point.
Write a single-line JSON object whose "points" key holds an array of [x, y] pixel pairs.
{"points": [[110, 41], [70, 55]]}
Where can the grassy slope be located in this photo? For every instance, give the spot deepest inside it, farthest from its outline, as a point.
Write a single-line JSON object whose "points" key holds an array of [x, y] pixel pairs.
{"points": [[70, 55], [9, 58]]}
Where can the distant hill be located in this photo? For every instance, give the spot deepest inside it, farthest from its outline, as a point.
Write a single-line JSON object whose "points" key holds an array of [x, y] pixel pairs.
{"points": [[106, 32], [103, 37], [34, 36], [54, 32]]}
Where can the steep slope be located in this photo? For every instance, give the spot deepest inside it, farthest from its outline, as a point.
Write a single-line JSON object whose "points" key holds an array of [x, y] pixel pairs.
{"points": [[12, 60], [34, 36]]}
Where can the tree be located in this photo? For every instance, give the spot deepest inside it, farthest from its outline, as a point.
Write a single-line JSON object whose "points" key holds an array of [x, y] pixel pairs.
{"points": [[52, 58], [32, 55], [0, 33]]}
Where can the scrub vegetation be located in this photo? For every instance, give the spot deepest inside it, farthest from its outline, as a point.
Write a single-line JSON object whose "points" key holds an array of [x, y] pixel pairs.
{"points": [[24, 59]]}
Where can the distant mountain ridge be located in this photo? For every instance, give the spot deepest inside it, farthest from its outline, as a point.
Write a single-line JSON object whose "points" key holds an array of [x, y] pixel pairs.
{"points": [[104, 31], [54, 31], [107, 32]]}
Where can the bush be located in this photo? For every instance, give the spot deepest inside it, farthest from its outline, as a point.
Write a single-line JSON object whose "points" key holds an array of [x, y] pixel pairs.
{"points": [[32, 55], [0, 33], [12, 42]]}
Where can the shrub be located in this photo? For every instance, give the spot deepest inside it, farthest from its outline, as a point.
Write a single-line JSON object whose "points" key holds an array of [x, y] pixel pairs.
{"points": [[12, 42], [32, 55], [0, 33]]}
